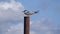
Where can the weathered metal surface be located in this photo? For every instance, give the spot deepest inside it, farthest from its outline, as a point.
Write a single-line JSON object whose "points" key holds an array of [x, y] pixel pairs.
{"points": [[26, 24]]}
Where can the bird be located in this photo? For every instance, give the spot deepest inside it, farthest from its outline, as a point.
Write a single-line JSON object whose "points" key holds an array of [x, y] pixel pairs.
{"points": [[26, 12]]}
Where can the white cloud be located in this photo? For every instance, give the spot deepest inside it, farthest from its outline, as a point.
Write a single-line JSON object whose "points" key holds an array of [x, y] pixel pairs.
{"points": [[49, 32], [32, 32], [37, 27], [41, 26], [10, 13], [16, 29], [11, 10]]}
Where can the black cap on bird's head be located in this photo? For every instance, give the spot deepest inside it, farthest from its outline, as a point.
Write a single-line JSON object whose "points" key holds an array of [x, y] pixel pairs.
{"points": [[24, 10]]}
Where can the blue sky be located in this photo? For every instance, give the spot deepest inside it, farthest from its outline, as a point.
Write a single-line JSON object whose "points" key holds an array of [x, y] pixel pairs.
{"points": [[48, 9], [47, 20]]}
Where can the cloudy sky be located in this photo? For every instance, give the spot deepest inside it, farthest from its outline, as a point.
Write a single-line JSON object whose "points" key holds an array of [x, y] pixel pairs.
{"points": [[47, 21]]}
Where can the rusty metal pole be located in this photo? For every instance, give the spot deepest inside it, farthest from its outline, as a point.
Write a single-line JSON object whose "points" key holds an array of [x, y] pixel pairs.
{"points": [[27, 20], [26, 24]]}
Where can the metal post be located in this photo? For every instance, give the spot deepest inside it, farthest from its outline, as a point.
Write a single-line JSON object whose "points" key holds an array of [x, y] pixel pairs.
{"points": [[26, 24], [27, 20]]}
